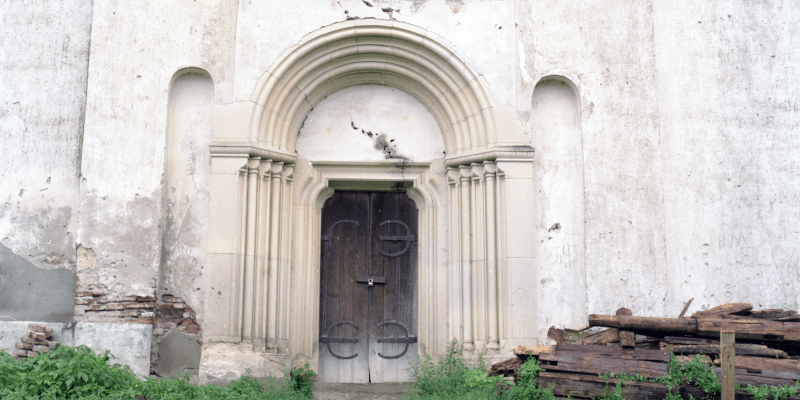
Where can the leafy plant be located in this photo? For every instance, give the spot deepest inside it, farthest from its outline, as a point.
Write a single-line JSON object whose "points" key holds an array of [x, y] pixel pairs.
{"points": [[79, 373], [301, 380], [764, 392]]}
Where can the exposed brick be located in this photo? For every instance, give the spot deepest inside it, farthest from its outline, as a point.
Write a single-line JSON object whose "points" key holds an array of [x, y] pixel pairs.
{"points": [[89, 293], [53, 345], [145, 320], [37, 335], [85, 300], [24, 346], [29, 340], [190, 329], [170, 299], [36, 328], [106, 307], [33, 354], [147, 314], [137, 305], [41, 349], [166, 325], [130, 313], [147, 299], [20, 353]]}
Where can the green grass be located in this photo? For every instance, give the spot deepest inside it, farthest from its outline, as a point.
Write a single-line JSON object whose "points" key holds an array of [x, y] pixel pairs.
{"points": [[79, 373], [455, 377]]}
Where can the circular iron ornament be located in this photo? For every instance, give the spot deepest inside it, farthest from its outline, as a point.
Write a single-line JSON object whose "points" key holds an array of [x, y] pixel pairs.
{"points": [[408, 238], [326, 338], [330, 230], [407, 339]]}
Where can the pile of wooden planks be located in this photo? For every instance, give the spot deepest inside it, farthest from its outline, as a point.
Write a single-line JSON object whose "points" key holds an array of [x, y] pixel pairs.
{"points": [[35, 342], [767, 351]]}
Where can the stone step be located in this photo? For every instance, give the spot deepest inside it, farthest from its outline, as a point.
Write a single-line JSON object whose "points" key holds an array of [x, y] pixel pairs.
{"points": [[359, 391]]}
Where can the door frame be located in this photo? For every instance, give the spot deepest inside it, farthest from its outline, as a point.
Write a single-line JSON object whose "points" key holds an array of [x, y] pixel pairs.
{"points": [[426, 185]]}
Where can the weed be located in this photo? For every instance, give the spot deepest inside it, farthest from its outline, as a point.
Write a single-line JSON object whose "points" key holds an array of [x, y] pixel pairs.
{"points": [[79, 373], [301, 380], [453, 377], [765, 392]]}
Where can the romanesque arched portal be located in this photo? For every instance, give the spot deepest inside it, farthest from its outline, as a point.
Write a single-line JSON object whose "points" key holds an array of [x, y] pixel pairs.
{"points": [[266, 201]]}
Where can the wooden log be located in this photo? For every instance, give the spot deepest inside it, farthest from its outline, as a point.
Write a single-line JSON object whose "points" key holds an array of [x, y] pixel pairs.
{"points": [[685, 308], [614, 352], [727, 352], [646, 324], [755, 364], [601, 338], [627, 339], [776, 315], [743, 349], [527, 351], [730, 308], [745, 378], [689, 340], [588, 386], [598, 364], [507, 368], [751, 329], [556, 334]]}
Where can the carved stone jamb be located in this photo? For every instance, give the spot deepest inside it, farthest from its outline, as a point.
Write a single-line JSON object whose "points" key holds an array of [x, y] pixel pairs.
{"points": [[467, 337], [477, 204], [490, 172], [250, 248]]}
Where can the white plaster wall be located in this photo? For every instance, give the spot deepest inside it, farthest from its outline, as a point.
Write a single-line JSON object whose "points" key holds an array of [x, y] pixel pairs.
{"points": [[136, 49], [606, 49], [558, 207], [370, 123], [43, 67], [482, 31], [188, 181], [689, 123], [729, 120]]}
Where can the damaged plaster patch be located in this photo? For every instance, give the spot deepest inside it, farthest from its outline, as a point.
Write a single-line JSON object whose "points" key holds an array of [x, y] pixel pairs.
{"points": [[382, 143], [221, 363], [28, 293], [370, 123], [41, 235], [455, 5], [124, 240]]}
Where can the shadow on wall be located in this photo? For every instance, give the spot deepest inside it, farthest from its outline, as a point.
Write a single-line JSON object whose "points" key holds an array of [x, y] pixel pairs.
{"points": [[28, 293], [558, 166]]}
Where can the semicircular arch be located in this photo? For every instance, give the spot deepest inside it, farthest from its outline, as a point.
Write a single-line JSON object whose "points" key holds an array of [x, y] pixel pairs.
{"points": [[379, 52]]}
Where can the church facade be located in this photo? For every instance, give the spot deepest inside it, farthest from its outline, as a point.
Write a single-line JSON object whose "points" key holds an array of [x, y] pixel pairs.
{"points": [[352, 183]]}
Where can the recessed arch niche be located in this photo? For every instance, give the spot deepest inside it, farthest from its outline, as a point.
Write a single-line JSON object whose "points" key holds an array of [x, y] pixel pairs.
{"points": [[266, 199], [370, 123]]}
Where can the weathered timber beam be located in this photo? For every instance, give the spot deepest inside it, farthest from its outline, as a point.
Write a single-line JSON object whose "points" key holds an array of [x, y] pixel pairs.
{"points": [[725, 309], [650, 324], [750, 329], [741, 349]]}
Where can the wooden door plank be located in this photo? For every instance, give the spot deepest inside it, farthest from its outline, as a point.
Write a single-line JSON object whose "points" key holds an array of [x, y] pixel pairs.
{"points": [[340, 300], [395, 301]]}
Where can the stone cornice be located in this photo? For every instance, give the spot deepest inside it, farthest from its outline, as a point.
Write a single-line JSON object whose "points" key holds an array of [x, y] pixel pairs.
{"points": [[237, 148], [510, 152]]}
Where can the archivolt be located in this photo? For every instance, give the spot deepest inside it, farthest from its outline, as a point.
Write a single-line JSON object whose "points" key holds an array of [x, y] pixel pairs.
{"points": [[373, 52]]}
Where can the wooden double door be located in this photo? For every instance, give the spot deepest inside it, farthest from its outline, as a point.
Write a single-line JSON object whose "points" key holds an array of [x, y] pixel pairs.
{"points": [[368, 296]]}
